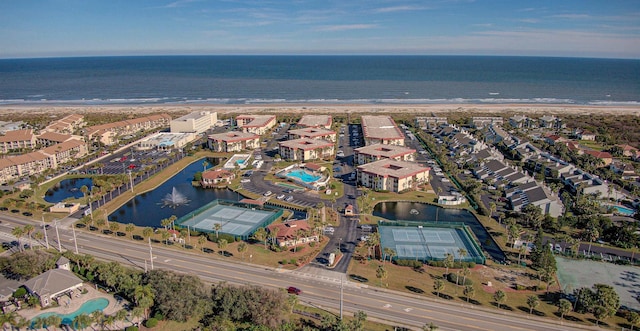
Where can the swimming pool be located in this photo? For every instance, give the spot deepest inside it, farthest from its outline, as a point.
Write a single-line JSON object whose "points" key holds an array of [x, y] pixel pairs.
{"points": [[86, 308], [623, 210], [303, 176]]}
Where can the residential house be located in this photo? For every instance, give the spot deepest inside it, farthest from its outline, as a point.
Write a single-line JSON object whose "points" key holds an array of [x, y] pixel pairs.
{"points": [[304, 149], [53, 284], [534, 194], [257, 124], [233, 141], [293, 233], [216, 177], [480, 122]]}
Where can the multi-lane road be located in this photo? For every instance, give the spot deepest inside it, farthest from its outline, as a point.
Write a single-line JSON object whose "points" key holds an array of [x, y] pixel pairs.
{"points": [[320, 288]]}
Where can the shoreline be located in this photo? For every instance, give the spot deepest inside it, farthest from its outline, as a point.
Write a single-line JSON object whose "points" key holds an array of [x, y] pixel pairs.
{"points": [[535, 109]]}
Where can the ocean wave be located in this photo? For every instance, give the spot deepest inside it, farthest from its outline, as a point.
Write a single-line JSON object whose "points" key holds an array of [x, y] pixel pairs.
{"points": [[240, 101]]}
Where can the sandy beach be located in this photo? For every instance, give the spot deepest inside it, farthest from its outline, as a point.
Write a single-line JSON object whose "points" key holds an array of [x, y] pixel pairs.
{"points": [[425, 109]]}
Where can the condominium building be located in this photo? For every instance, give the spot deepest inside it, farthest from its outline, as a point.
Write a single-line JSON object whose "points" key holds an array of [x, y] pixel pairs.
{"points": [[17, 139], [304, 149], [51, 138], [166, 140], [316, 121], [66, 125], [197, 122], [109, 133], [391, 175], [234, 141], [377, 152], [313, 133], [258, 124], [381, 130]]}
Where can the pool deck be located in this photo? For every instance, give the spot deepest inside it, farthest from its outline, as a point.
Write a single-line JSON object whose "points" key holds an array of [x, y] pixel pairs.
{"points": [[75, 304]]}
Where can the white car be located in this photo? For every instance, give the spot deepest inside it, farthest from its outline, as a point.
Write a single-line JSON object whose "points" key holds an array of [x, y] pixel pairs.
{"points": [[245, 180], [280, 197], [289, 198], [268, 193]]}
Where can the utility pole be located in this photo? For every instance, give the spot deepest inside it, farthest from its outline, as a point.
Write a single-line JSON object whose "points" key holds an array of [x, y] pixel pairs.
{"points": [[341, 295], [75, 241], [151, 253], [44, 229], [130, 181], [58, 237]]}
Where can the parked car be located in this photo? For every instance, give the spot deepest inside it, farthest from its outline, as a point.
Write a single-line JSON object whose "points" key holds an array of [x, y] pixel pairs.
{"points": [[246, 180], [294, 290], [280, 197], [289, 198], [268, 193]]}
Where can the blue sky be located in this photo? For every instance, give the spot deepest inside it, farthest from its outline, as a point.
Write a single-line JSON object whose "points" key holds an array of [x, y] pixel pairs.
{"points": [[583, 28]]}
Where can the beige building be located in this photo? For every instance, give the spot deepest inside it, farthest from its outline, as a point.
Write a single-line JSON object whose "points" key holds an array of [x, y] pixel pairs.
{"points": [[316, 121], [312, 133], [14, 167], [198, 122], [391, 175], [258, 124], [51, 138], [66, 151], [109, 133], [381, 130], [377, 152], [66, 125], [17, 139], [304, 149], [233, 141], [166, 141]]}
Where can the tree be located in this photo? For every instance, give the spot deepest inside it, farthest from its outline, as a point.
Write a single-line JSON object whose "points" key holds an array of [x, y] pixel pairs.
{"points": [[564, 306], [217, 227], [165, 222], [242, 248], [165, 236], [201, 241], [18, 232], [465, 273], [438, 286], [429, 327], [522, 250], [532, 301], [448, 262], [129, 228], [222, 244], [500, 297], [81, 321], [100, 223], [633, 318], [469, 291], [28, 229], [462, 253], [599, 313], [114, 227], [381, 273], [388, 251], [143, 297], [147, 232], [607, 298], [357, 323], [53, 320], [261, 235], [514, 232]]}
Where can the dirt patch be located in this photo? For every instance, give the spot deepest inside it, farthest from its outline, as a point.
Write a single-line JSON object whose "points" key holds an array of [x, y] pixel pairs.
{"points": [[505, 279]]}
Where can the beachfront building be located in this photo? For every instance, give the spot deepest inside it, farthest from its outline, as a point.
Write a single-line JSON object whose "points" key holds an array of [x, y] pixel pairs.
{"points": [[480, 122], [521, 122], [14, 167], [109, 133], [216, 177], [312, 133], [304, 149], [381, 130], [316, 121], [257, 124], [66, 125], [293, 233], [550, 122], [166, 141], [196, 122], [49, 138], [377, 152], [391, 175], [17, 140], [430, 122], [65, 152], [233, 141]]}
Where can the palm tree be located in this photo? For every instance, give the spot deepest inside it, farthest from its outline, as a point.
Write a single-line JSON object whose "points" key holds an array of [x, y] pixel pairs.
{"points": [[261, 235], [121, 315], [201, 241], [593, 234], [147, 232], [54, 321], [469, 291], [81, 321], [165, 222], [438, 286], [129, 229], [242, 248], [522, 250], [18, 232], [465, 273], [532, 301], [165, 236], [100, 223], [381, 273], [9, 318], [500, 297], [448, 262], [222, 244], [217, 227], [136, 313], [143, 297], [462, 253], [114, 227], [28, 229], [388, 251], [564, 306], [183, 235]]}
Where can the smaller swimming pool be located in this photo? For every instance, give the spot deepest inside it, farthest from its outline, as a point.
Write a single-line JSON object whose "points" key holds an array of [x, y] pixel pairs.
{"points": [[303, 176], [239, 162], [86, 308], [623, 210]]}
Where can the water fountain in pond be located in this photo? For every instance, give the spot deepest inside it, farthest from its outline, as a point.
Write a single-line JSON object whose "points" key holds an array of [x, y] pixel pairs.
{"points": [[174, 199]]}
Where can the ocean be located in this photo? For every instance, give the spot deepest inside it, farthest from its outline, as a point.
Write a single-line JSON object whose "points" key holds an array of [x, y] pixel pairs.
{"points": [[319, 80]]}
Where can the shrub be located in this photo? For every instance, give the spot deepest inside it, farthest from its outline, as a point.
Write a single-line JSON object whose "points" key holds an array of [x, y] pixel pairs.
{"points": [[520, 287], [453, 278], [409, 263], [131, 328], [284, 262], [158, 315], [151, 323], [20, 292], [292, 261]]}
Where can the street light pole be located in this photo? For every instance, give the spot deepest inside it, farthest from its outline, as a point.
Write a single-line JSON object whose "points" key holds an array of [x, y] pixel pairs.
{"points": [[44, 229], [150, 254], [58, 237], [341, 295], [130, 181], [75, 241]]}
